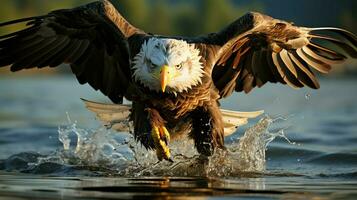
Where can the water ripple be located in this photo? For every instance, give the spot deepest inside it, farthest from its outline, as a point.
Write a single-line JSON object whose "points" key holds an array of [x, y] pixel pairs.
{"points": [[344, 159]]}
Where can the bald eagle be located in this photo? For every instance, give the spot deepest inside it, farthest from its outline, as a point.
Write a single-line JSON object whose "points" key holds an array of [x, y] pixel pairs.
{"points": [[174, 83]]}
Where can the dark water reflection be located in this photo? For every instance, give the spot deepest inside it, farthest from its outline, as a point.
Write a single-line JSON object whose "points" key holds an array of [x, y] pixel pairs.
{"points": [[321, 164], [27, 187]]}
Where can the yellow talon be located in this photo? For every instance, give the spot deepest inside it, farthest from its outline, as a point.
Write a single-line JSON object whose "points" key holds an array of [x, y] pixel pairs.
{"points": [[161, 139]]}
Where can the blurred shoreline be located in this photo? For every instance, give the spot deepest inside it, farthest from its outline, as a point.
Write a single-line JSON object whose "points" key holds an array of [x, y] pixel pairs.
{"points": [[348, 69]]}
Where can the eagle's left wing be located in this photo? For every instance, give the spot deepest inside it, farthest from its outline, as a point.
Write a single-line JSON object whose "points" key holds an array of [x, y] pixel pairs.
{"points": [[93, 39], [257, 49]]}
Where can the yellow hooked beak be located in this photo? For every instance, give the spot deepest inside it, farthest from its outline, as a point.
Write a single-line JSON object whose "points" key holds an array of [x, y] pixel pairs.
{"points": [[166, 74]]}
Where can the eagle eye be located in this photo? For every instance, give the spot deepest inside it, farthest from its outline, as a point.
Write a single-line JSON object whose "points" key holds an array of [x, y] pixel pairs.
{"points": [[179, 66]]}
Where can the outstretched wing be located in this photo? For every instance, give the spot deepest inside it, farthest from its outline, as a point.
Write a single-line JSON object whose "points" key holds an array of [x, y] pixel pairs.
{"points": [[257, 49], [91, 38]]}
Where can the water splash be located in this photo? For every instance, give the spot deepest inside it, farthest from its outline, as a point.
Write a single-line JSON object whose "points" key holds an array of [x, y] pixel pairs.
{"points": [[120, 153], [307, 96], [100, 147]]}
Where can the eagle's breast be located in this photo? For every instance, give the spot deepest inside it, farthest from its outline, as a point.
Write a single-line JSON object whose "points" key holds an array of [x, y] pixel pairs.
{"points": [[175, 107]]}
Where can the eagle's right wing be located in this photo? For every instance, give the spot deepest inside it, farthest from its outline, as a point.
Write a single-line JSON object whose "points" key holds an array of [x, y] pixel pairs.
{"points": [[256, 49], [93, 39]]}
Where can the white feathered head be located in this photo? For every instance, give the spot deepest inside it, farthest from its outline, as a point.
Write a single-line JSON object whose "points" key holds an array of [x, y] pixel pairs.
{"points": [[168, 65]]}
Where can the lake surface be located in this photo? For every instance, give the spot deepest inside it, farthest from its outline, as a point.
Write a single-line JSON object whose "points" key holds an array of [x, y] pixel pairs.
{"points": [[313, 155]]}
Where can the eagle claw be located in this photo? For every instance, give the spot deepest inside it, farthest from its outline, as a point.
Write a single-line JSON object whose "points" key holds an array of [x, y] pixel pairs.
{"points": [[161, 139]]}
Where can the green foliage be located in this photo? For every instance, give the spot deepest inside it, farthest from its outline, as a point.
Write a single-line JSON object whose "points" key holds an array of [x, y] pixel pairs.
{"points": [[180, 17], [183, 17], [15, 9]]}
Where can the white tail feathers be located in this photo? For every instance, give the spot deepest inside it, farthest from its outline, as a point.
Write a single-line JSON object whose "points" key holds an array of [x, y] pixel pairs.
{"points": [[116, 116], [233, 119]]}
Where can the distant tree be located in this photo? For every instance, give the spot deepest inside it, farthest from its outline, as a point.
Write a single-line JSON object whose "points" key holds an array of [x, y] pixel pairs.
{"points": [[160, 18], [214, 15], [135, 11], [14, 9], [186, 20]]}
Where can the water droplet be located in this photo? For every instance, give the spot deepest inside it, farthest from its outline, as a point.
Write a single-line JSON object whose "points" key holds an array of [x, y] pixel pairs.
{"points": [[307, 96]]}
